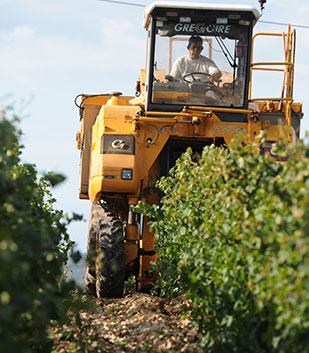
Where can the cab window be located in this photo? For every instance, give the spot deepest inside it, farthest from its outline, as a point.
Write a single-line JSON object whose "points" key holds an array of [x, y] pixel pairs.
{"points": [[187, 52]]}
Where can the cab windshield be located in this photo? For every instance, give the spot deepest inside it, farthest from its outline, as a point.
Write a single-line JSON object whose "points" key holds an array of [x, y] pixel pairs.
{"points": [[200, 60]]}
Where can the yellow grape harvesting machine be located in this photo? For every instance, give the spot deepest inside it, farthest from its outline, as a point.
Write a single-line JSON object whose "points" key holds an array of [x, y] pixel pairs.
{"points": [[125, 142]]}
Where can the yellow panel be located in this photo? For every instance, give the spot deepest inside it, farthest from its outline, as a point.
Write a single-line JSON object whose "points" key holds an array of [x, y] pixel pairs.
{"points": [[88, 119]]}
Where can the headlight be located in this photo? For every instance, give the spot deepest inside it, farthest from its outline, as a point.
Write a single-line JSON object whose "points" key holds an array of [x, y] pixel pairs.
{"points": [[126, 174]]}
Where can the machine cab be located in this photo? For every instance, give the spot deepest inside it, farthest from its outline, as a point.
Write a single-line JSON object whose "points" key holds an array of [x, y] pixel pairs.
{"points": [[222, 35]]}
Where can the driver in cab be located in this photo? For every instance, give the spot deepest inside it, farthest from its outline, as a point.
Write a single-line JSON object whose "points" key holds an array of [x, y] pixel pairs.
{"points": [[194, 62]]}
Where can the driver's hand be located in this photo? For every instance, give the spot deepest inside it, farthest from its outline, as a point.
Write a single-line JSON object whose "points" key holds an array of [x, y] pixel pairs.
{"points": [[211, 79], [215, 76], [169, 78]]}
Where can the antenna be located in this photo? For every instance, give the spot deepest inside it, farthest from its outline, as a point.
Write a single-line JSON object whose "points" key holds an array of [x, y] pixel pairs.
{"points": [[262, 4]]}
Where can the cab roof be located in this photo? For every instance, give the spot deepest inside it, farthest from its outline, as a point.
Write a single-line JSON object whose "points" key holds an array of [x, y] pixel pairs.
{"points": [[196, 6]]}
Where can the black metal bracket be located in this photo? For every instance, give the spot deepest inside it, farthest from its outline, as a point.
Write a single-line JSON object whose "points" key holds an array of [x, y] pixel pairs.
{"points": [[143, 252]]}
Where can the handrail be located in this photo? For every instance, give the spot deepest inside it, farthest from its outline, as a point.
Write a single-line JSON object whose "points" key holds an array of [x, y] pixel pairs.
{"points": [[272, 63], [271, 99], [288, 70]]}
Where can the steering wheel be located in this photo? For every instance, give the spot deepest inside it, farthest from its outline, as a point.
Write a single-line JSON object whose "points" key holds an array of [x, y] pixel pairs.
{"points": [[209, 85], [191, 74]]}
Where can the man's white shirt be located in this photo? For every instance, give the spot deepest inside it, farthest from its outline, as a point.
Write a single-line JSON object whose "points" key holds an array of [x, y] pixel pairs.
{"points": [[185, 65]]}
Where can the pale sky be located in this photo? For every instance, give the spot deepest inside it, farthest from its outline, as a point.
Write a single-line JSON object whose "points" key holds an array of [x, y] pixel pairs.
{"points": [[53, 50]]}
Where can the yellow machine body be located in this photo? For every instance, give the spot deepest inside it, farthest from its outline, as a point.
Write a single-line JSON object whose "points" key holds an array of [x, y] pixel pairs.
{"points": [[122, 141]]}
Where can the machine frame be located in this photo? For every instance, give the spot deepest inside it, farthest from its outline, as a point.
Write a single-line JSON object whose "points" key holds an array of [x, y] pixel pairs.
{"points": [[126, 143]]}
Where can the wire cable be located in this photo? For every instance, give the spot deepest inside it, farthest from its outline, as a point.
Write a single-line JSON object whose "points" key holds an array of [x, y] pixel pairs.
{"points": [[260, 21], [284, 24], [123, 3]]}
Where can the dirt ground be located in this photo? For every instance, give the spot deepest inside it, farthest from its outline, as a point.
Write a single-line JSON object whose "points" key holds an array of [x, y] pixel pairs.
{"points": [[136, 323]]}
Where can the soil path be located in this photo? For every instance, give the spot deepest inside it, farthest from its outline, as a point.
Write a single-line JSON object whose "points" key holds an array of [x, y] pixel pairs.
{"points": [[136, 323]]}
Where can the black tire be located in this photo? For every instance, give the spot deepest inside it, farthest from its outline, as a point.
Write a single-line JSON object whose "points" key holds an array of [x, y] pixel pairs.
{"points": [[110, 265], [96, 214]]}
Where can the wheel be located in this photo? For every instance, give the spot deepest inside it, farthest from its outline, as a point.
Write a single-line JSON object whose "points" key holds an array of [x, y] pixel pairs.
{"points": [[110, 264], [96, 214]]}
